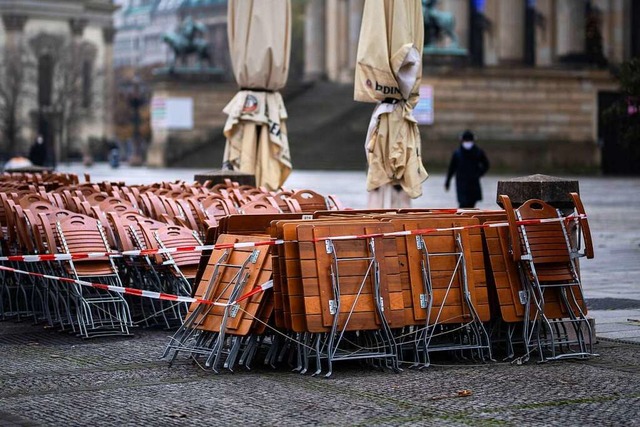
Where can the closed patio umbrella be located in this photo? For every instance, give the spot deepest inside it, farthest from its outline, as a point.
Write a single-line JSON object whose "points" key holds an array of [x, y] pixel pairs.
{"points": [[389, 71], [259, 33]]}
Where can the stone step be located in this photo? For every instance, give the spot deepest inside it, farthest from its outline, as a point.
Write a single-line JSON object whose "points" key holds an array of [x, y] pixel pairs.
{"points": [[581, 108], [479, 84], [565, 96], [513, 118]]}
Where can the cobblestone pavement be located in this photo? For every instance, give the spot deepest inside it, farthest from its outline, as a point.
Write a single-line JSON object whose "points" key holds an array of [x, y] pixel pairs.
{"points": [[51, 378]]}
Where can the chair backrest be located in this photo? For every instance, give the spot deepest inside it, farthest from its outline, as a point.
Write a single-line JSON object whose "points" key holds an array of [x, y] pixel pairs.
{"points": [[97, 198], [513, 228], [83, 234], [26, 200], [170, 206], [145, 228], [49, 232], [259, 206], [23, 231], [9, 218], [113, 204], [218, 207], [36, 231], [309, 200], [173, 236], [546, 242], [88, 188], [122, 237], [584, 225], [187, 213]]}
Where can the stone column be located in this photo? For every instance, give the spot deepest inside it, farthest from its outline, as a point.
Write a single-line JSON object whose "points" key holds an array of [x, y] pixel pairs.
{"points": [[13, 49], [511, 31], [618, 44], [332, 40], [337, 40], [76, 27], [604, 7], [108, 132], [570, 25], [460, 10], [314, 40], [545, 33], [355, 21], [13, 26], [490, 35], [342, 24]]}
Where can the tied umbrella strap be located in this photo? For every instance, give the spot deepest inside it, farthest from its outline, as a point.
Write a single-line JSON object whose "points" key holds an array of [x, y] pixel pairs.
{"points": [[406, 65], [388, 106]]}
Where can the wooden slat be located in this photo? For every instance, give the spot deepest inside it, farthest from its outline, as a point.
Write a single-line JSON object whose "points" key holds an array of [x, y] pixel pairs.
{"points": [[217, 288]]}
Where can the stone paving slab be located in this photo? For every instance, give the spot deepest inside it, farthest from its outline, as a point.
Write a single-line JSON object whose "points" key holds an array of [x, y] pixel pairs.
{"points": [[617, 324], [63, 381]]}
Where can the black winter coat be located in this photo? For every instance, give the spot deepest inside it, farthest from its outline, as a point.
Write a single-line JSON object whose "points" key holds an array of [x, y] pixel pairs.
{"points": [[38, 154], [468, 166]]}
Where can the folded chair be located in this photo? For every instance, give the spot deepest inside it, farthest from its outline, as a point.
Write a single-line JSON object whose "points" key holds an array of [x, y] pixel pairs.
{"points": [[132, 232], [555, 323], [225, 332], [98, 312], [168, 273], [445, 292]]}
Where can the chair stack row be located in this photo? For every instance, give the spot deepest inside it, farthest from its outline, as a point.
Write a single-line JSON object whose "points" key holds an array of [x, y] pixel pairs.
{"points": [[395, 287], [68, 217]]}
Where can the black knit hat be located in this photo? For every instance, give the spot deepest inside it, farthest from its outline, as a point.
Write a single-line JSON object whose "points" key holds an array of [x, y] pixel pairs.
{"points": [[467, 135]]}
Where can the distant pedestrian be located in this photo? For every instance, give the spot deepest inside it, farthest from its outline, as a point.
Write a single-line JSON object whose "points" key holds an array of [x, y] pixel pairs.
{"points": [[38, 152], [468, 163], [114, 154]]}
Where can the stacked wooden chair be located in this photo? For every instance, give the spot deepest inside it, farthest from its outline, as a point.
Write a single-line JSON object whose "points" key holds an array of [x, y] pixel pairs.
{"points": [[383, 287], [98, 312], [394, 287], [553, 312]]}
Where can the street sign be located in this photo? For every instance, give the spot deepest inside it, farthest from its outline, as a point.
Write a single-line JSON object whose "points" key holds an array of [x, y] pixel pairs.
{"points": [[423, 112]]}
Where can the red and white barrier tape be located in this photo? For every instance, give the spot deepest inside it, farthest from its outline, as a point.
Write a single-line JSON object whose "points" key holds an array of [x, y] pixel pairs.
{"points": [[140, 252], [458, 228], [140, 292], [145, 252]]}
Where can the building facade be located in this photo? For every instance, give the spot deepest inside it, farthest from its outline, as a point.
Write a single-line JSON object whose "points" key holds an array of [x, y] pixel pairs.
{"points": [[61, 54], [527, 33], [533, 83], [141, 25]]}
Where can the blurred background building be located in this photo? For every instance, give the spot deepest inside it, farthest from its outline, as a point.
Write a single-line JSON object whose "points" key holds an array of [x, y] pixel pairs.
{"points": [[56, 75], [141, 25], [534, 83]]}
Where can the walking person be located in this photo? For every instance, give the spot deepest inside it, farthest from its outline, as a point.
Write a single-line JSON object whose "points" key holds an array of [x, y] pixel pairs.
{"points": [[38, 152], [468, 163]]}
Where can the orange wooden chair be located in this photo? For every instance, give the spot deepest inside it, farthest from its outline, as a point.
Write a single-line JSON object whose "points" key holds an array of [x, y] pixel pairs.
{"points": [[555, 323]]}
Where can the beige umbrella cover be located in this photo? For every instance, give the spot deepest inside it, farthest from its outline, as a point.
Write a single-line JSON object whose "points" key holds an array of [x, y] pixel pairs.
{"points": [[389, 71], [259, 33]]}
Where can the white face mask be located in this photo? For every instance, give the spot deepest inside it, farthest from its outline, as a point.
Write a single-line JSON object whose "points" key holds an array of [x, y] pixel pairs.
{"points": [[467, 145]]}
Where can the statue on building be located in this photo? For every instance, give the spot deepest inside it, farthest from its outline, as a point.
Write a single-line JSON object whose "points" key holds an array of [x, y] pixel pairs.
{"points": [[188, 40], [439, 25]]}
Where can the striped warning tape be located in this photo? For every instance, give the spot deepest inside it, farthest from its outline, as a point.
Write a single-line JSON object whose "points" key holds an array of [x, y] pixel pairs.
{"points": [[456, 228], [140, 252], [140, 292], [273, 242]]}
